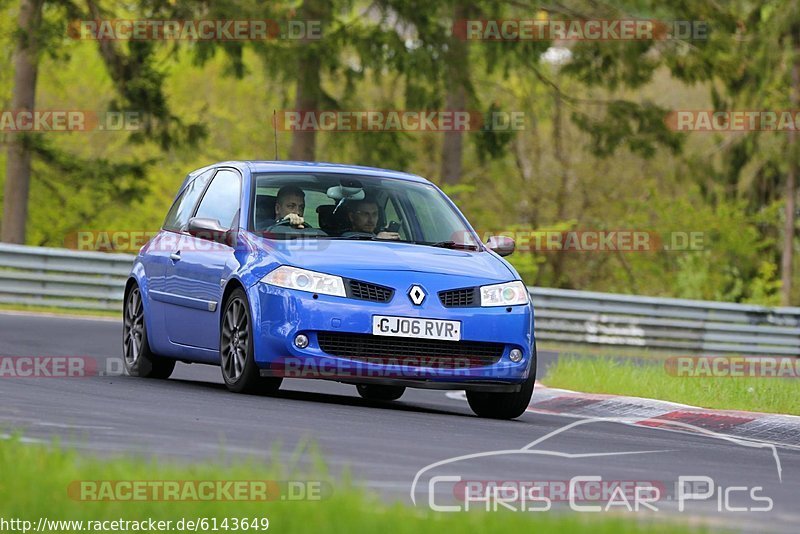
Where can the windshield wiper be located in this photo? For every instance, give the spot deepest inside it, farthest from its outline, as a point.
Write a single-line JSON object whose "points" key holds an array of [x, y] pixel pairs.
{"points": [[448, 244], [360, 237]]}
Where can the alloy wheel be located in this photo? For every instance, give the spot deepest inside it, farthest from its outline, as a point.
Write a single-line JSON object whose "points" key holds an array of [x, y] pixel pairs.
{"points": [[134, 327], [235, 337]]}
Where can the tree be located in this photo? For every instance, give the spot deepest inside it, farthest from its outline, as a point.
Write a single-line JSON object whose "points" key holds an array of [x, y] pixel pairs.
{"points": [[140, 89], [457, 88], [18, 164], [308, 86], [753, 54]]}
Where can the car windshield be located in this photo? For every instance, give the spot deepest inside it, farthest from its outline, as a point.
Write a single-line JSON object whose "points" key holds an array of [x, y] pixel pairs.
{"points": [[343, 206]]}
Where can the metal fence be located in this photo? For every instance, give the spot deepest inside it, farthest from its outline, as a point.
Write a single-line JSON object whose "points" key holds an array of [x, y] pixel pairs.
{"points": [[62, 278], [695, 326], [92, 280]]}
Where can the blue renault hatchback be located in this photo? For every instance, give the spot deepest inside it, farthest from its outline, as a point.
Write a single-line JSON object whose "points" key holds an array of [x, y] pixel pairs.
{"points": [[365, 276]]}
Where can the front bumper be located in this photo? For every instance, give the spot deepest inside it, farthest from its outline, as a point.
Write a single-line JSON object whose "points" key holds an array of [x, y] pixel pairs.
{"points": [[279, 315]]}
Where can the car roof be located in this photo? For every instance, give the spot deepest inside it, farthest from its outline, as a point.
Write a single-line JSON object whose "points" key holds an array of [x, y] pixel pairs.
{"points": [[317, 167]]}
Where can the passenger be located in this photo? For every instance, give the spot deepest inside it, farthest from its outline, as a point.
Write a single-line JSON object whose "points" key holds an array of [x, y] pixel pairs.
{"points": [[363, 215]]}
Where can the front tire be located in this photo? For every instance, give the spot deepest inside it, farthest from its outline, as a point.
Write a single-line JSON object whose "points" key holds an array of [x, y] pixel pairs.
{"points": [[138, 359], [504, 405], [501, 405], [237, 357], [377, 392]]}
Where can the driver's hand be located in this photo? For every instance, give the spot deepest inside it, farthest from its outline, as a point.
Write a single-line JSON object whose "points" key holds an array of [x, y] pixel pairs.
{"points": [[388, 235], [294, 219]]}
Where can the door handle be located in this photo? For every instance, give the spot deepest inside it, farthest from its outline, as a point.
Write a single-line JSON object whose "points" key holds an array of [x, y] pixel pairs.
{"points": [[175, 256]]}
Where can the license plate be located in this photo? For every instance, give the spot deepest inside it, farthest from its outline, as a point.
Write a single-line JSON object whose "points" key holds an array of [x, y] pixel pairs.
{"points": [[383, 325]]}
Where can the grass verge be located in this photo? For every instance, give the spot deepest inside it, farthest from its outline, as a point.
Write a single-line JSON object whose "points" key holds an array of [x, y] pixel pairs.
{"points": [[61, 311], [36, 479], [603, 375]]}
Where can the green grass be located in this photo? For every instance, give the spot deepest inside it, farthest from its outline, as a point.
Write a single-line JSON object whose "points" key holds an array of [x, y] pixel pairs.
{"points": [[61, 311], [35, 479], [602, 375], [580, 350]]}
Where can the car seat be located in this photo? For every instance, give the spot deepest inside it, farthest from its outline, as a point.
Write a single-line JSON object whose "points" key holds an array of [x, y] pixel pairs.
{"points": [[265, 212]]}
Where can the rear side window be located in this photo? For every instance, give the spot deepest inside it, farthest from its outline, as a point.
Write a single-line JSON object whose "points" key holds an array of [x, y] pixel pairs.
{"points": [[183, 206], [221, 201]]}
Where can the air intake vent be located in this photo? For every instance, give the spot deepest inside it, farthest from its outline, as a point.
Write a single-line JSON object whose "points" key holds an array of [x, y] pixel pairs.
{"points": [[371, 292], [410, 351], [459, 298]]}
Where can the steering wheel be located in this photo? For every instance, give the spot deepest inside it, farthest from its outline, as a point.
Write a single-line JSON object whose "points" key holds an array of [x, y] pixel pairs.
{"points": [[286, 222], [354, 233], [282, 222]]}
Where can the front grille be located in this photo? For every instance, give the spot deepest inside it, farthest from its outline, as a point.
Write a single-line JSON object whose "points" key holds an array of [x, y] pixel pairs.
{"points": [[459, 298], [410, 351], [371, 292]]}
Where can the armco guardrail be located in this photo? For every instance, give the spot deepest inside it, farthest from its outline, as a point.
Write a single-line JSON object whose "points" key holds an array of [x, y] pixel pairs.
{"points": [[662, 323], [62, 278], [95, 280]]}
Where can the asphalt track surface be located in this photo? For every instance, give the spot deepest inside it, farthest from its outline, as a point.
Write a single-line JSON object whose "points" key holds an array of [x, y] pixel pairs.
{"points": [[192, 417]]}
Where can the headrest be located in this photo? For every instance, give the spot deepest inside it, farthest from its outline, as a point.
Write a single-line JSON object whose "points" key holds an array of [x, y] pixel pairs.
{"points": [[330, 222], [265, 210]]}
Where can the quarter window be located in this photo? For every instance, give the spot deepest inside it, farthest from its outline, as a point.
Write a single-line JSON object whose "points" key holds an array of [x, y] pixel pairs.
{"points": [[221, 201], [183, 206]]}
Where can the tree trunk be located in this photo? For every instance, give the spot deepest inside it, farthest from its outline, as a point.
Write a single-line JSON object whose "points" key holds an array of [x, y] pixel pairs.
{"points": [[308, 94], [791, 188], [564, 189], [456, 99], [307, 98], [18, 163]]}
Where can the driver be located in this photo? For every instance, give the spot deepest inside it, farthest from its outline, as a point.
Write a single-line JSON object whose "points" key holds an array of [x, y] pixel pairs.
{"points": [[363, 215], [289, 206]]}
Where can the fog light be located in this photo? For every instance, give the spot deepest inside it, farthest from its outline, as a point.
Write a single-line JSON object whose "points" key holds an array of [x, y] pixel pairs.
{"points": [[301, 341], [515, 355]]}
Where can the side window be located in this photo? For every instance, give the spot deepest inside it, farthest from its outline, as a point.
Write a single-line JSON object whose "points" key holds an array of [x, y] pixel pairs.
{"points": [[221, 201], [183, 206]]}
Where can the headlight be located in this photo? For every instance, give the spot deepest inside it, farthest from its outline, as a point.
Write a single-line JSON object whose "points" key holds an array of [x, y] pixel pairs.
{"points": [[303, 280], [507, 294]]}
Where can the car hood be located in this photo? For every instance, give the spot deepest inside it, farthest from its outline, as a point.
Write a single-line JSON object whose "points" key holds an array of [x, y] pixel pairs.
{"points": [[344, 258]]}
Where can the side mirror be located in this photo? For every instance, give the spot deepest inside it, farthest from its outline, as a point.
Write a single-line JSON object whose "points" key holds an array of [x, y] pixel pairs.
{"points": [[501, 245], [209, 229]]}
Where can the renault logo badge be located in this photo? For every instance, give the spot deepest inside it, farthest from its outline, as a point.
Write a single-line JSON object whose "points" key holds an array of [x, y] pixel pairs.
{"points": [[416, 295]]}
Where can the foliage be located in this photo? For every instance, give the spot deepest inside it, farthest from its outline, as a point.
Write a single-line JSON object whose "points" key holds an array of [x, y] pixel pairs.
{"points": [[594, 154]]}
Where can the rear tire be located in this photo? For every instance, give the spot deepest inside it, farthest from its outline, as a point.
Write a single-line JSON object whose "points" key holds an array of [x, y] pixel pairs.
{"points": [[377, 392], [504, 405], [237, 357], [137, 357]]}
